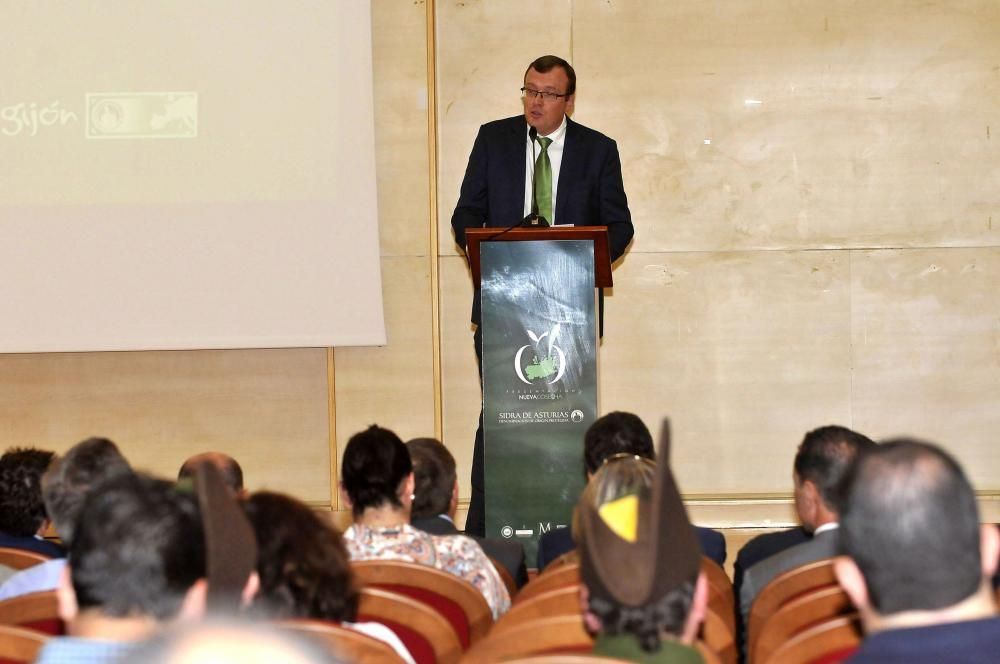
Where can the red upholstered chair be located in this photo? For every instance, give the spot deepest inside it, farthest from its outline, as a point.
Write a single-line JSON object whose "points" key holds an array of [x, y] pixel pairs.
{"points": [[19, 558], [829, 642], [426, 633], [345, 642], [37, 611], [545, 636], [563, 601], [784, 587], [458, 601], [19, 645], [797, 615], [567, 574]]}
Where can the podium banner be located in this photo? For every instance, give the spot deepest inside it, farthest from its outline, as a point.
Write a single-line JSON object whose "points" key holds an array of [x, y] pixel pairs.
{"points": [[539, 382]]}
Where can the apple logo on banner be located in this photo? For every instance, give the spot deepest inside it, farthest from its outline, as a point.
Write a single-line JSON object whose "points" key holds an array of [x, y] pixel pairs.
{"points": [[549, 359]]}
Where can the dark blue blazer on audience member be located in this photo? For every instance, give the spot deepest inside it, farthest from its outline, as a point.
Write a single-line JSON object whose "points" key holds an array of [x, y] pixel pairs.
{"points": [[36, 544], [764, 546], [965, 641], [558, 541]]}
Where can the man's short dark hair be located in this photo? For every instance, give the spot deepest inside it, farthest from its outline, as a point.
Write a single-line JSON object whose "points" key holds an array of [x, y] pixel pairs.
{"points": [[825, 456], [648, 623], [374, 465], [229, 468], [22, 511], [616, 433], [434, 477], [71, 478], [547, 63], [911, 525], [139, 546]]}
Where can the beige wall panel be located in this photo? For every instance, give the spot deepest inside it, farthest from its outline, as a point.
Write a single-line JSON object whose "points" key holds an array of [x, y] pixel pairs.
{"points": [[927, 350], [391, 386], [268, 408], [399, 53], [483, 48], [460, 394], [744, 351], [750, 124]]}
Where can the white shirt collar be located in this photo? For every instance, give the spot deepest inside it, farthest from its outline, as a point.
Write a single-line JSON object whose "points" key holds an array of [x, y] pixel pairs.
{"points": [[833, 525]]}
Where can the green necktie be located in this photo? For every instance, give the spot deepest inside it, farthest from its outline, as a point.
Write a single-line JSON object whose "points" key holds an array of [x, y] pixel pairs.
{"points": [[543, 181]]}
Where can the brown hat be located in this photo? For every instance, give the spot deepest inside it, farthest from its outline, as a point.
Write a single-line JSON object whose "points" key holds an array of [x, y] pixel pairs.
{"points": [[663, 554], [229, 539]]}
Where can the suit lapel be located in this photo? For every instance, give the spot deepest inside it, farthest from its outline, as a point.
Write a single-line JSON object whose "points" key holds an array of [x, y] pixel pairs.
{"points": [[570, 170]]}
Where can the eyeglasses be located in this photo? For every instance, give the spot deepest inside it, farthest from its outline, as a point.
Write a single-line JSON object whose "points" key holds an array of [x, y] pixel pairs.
{"points": [[530, 93]]}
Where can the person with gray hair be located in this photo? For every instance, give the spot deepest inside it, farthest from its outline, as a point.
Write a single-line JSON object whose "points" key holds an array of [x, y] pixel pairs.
{"points": [[65, 487], [916, 561]]}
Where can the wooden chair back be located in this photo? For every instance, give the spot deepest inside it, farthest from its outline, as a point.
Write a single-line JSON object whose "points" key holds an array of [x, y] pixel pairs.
{"points": [[426, 633], [345, 642], [567, 659], [707, 654], [720, 592], [456, 599], [18, 644], [37, 611], [828, 642], [568, 558], [719, 638], [547, 636], [564, 575], [563, 601], [798, 614], [784, 587], [19, 558]]}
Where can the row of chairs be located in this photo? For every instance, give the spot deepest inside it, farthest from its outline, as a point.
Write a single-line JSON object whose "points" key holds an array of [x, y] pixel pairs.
{"points": [[440, 617]]}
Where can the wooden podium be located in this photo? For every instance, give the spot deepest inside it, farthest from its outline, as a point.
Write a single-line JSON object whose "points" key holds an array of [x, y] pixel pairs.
{"points": [[539, 369]]}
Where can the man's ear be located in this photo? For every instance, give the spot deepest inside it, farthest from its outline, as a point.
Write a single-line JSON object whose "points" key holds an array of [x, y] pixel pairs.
{"points": [[66, 596], [696, 615], [250, 590], [571, 104], [852, 581], [195, 600], [989, 548]]}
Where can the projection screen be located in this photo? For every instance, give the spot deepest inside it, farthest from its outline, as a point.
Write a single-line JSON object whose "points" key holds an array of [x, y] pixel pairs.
{"points": [[182, 174]]}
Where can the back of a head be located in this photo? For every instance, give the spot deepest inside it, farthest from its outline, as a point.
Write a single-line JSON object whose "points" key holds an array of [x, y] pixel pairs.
{"points": [[375, 464], [228, 467], [911, 524], [138, 548], [22, 511], [622, 493], [616, 433], [434, 477], [70, 479], [304, 568], [824, 458]]}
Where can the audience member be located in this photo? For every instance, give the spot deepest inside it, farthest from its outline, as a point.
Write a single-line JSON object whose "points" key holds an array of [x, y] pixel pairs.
{"points": [[304, 568], [642, 587], [23, 520], [916, 561], [435, 503], [65, 487], [230, 643], [823, 459], [377, 483], [230, 469], [617, 433], [137, 561]]}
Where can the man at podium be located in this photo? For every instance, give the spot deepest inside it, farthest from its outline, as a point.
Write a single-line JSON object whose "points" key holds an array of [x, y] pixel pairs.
{"points": [[545, 169]]}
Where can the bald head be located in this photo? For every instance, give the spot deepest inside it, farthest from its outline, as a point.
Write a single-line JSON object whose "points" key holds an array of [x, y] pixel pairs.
{"points": [[231, 472]]}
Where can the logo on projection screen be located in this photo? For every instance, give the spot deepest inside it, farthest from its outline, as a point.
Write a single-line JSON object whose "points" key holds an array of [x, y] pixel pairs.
{"points": [[548, 361], [139, 115]]}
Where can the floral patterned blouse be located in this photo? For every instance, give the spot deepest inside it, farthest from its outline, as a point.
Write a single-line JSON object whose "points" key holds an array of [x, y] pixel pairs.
{"points": [[455, 554]]}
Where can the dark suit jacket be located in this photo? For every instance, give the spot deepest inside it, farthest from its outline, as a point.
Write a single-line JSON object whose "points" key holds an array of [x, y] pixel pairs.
{"points": [[34, 544], [558, 541], [589, 193], [764, 546], [508, 554], [962, 641]]}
